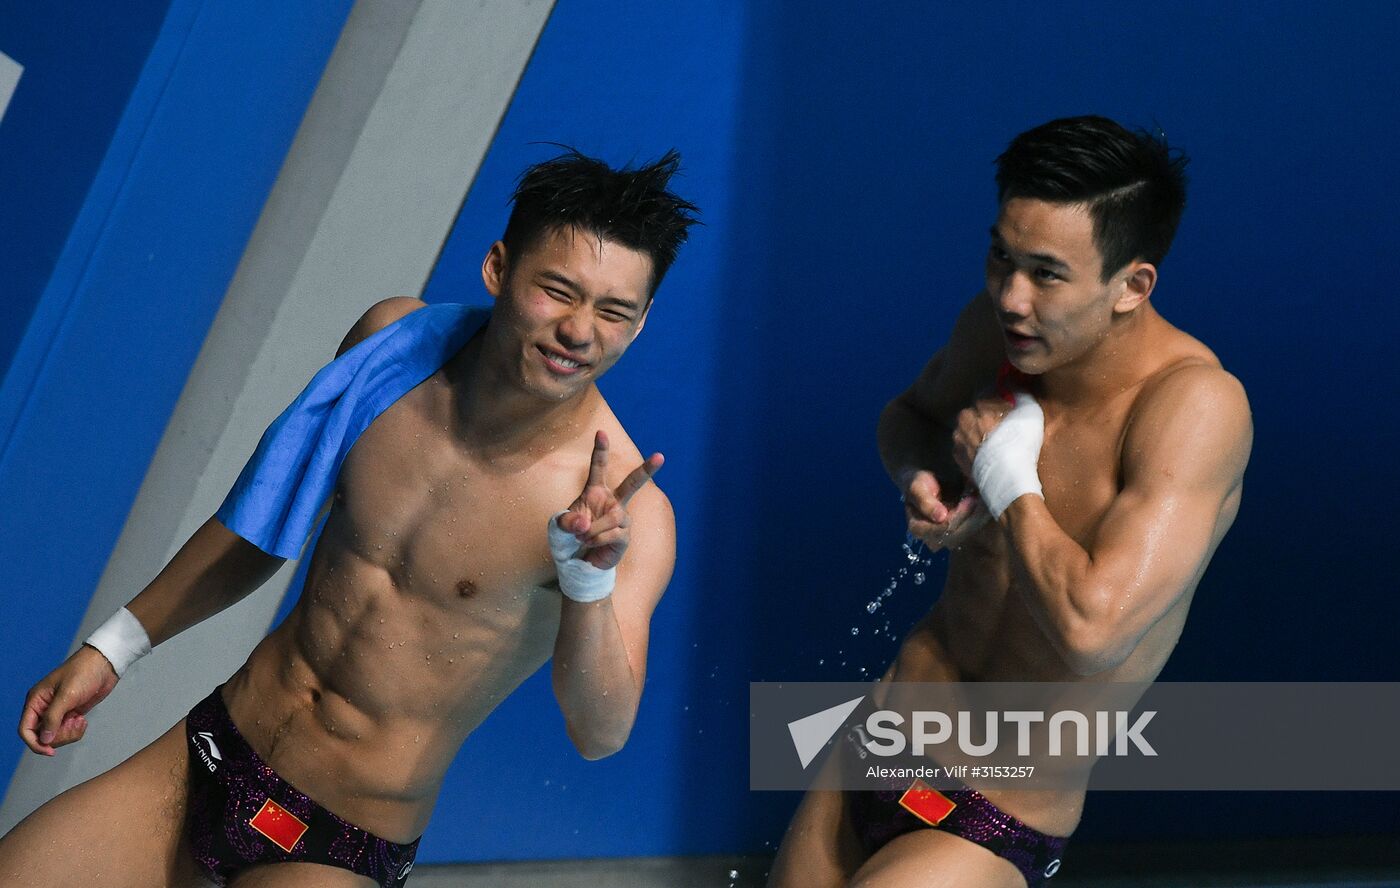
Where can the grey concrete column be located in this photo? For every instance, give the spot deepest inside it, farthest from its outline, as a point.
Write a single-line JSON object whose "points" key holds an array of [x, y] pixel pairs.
{"points": [[395, 133]]}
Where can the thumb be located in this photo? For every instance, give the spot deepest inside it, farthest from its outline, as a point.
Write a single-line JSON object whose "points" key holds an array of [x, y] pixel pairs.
{"points": [[52, 718], [575, 521]]}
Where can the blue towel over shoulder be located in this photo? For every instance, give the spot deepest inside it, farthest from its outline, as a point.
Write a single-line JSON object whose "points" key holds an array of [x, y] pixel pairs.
{"points": [[277, 498]]}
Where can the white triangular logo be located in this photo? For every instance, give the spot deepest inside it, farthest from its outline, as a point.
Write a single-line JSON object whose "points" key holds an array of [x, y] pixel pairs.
{"points": [[810, 734], [213, 747]]}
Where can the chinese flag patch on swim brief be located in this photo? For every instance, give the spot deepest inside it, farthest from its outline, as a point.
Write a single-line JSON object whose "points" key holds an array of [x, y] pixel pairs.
{"points": [[926, 803], [283, 827]]}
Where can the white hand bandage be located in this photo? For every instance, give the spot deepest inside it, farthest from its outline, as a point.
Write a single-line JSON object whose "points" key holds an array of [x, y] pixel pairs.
{"points": [[1005, 466], [122, 640], [578, 579]]}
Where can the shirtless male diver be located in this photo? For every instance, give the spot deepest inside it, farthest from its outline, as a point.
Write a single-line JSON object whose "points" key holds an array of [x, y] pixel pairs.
{"points": [[499, 481], [1079, 522]]}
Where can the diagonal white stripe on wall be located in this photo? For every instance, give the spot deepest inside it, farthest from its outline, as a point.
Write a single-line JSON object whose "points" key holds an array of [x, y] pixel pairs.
{"points": [[396, 131], [10, 71]]}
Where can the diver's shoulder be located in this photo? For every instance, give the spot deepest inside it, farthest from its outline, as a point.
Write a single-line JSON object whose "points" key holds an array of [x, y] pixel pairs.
{"points": [[1198, 388], [624, 455], [378, 316]]}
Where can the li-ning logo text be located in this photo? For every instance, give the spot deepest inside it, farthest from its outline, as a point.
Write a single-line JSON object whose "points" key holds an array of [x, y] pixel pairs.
{"points": [[882, 736], [208, 738]]}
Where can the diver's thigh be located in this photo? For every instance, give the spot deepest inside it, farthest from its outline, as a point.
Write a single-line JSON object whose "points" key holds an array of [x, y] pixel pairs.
{"points": [[299, 875], [929, 858], [820, 847], [121, 828]]}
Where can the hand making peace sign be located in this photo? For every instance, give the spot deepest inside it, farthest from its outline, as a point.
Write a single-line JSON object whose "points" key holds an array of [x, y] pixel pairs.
{"points": [[598, 519]]}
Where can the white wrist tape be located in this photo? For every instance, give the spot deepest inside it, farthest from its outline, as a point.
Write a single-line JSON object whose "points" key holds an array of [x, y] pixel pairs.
{"points": [[122, 640], [1004, 469], [578, 579]]}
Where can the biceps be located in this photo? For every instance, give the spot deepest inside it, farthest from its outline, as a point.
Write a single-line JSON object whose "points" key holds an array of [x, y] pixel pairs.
{"points": [[1151, 548]]}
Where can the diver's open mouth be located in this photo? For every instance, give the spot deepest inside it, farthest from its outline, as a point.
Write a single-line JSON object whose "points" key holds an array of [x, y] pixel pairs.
{"points": [[560, 362], [1019, 340]]}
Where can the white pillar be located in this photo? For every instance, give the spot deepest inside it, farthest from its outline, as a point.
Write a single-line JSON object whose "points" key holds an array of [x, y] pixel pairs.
{"points": [[390, 143]]}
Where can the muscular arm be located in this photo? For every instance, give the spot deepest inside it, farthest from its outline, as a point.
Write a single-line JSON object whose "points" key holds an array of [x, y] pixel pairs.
{"points": [[600, 653], [216, 568], [213, 570], [1184, 458], [915, 431]]}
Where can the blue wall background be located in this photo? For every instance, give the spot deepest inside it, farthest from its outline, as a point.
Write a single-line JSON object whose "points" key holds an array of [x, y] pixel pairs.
{"points": [[843, 161], [81, 60], [145, 262]]}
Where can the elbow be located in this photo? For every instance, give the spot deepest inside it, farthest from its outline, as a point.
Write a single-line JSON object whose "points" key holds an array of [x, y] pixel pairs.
{"points": [[593, 745], [1086, 663], [1092, 645]]}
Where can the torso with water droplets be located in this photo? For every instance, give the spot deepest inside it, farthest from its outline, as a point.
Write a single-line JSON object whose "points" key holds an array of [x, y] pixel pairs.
{"points": [[430, 597], [981, 628]]}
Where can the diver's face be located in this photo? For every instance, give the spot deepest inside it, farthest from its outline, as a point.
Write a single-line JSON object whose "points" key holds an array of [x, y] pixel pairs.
{"points": [[567, 308], [1043, 278]]}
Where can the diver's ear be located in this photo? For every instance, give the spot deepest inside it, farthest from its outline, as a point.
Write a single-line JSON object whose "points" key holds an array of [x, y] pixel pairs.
{"points": [[1137, 286], [646, 312], [493, 269]]}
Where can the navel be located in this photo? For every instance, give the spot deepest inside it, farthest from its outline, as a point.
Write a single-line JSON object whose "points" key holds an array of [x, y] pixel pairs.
{"points": [[466, 588]]}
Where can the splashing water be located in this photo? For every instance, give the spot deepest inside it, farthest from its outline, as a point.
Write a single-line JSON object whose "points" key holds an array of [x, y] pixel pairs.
{"points": [[916, 559]]}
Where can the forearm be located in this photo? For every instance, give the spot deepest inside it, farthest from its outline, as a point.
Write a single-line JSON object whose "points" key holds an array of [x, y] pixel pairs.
{"points": [[910, 441], [593, 679], [1062, 589], [215, 569]]}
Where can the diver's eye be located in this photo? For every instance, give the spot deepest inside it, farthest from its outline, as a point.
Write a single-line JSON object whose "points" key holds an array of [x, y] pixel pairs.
{"points": [[1045, 274]]}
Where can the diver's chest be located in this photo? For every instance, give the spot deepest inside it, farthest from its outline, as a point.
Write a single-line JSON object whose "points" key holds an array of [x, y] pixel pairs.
{"points": [[409, 501], [1081, 470]]}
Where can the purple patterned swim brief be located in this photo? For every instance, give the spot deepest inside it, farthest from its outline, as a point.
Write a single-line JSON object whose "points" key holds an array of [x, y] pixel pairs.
{"points": [[880, 816], [241, 814]]}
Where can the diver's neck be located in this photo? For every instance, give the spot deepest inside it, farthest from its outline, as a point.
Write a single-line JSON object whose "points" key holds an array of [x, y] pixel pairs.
{"points": [[1115, 363], [497, 418]]}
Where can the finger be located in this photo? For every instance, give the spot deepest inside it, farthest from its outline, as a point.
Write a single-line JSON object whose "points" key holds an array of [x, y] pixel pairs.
{"points": [[639, 478], [618, 537], [598, 466], [931, 511], [52, 718], [926, 530], [616, 517], [963, 510], [34, 707], [576, 521], [72, 730]]}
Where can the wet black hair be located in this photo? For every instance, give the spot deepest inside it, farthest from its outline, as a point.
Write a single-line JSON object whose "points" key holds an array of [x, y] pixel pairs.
{"points": [[630, 206], [1133, 184]]}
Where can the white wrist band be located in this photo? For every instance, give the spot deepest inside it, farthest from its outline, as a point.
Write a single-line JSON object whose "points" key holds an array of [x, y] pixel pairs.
{"points": [[578, 579], [122, 640], [1004, 469]]}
